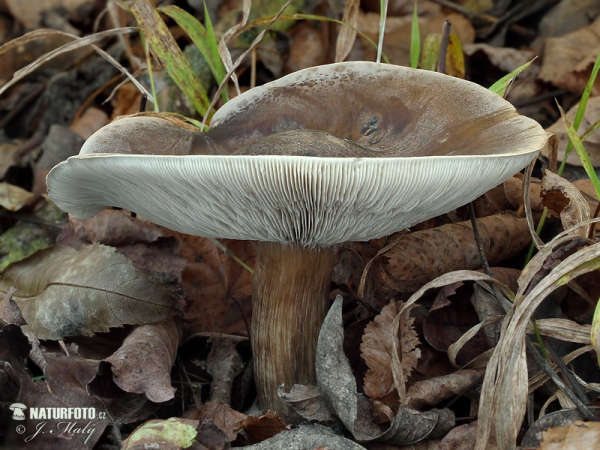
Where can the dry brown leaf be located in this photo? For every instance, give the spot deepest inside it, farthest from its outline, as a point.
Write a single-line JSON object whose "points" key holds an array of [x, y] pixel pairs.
{"points": [[461, 438], [577, 436], [433, 391], [66, 292], [377, 349], [421, 256], [9, 311], [308, 47], [143, 363], [396, 43], [307, 402], [338, 387], [347, 34], [567, 16], [30, 13], [505, 386], [591, 144], [565, 199], [508, 196], [114, 228], [90, 121], [13, 198], [568, 60], [449, 318], [218, 289]]}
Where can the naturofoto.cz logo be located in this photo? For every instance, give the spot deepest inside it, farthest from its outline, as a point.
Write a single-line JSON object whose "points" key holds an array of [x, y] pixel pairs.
{"points": [[70, 421]]}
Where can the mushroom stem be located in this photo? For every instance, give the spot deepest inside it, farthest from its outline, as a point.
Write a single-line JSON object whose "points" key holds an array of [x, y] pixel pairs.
{"points": [[289, 303]]}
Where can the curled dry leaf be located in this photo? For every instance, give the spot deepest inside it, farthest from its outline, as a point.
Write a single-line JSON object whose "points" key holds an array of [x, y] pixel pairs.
{"points": [[114, 227], [66, 292], [347, 34], [424, 255], [338, 387], [449, 318], [231, 422], [171, 433], [505, 386], [143, 363], [386, 333], [568, 59], [572, 437], [508, 196], [565, 199], [307, 402], [423, 394], [13, 198]]}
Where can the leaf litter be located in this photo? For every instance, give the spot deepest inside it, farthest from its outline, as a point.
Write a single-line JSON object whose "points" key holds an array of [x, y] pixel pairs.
{"points": [[429, 330]]}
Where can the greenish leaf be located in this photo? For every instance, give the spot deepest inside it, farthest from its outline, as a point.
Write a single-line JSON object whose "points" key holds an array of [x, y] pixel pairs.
{"points": [[166, 49], [415, 40], [501, 86]]}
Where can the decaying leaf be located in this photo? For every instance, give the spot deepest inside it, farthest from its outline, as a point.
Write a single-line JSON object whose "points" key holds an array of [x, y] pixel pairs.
{"points": [[505, 386], [572, 437], [66, 292], [13, 198], [338, 387], [423, 394], [347, 34], [231, 422], [508, 196], [568, 59], [565, 199], [307, 402], [380, 340], [306, 437], [143, 363], [170, 433], [421, 256]]}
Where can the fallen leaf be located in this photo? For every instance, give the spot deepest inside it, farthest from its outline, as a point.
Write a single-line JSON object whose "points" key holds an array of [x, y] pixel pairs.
{"points": [[173, 433], [338, 387], [307, 401], [572, 437], [143, 363], [65, 292], [306, 437], [377, 349], [30, 14], [568, 59], [565, 199], [433, 391], [421, 256], [13, 198]]}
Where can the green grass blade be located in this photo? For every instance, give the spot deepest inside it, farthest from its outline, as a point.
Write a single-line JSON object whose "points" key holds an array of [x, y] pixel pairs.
{"points": [[581, 110], [581, 152], [166, 49], [501, 86], [203, 38], [415, 40]]}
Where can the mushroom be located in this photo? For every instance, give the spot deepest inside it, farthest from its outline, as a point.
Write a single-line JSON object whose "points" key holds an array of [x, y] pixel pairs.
{"points": [[342, 152]]}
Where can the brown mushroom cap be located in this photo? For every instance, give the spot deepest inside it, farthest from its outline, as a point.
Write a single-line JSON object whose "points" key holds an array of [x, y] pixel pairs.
{"points": [[418, 144]]}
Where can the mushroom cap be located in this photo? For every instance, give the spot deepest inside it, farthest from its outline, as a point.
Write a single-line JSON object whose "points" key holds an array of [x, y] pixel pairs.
{"points": [[418, 144]]}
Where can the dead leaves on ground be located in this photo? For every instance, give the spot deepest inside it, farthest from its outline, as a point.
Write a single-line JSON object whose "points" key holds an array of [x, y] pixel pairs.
{"points": [[423, 350]]}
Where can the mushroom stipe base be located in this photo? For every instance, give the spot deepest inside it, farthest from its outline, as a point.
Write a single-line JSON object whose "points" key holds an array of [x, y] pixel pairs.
{"points": [[289, 304]]}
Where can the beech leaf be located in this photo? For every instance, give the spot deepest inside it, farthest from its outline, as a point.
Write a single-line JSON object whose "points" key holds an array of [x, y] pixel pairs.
{"points": [[65, 292]]}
